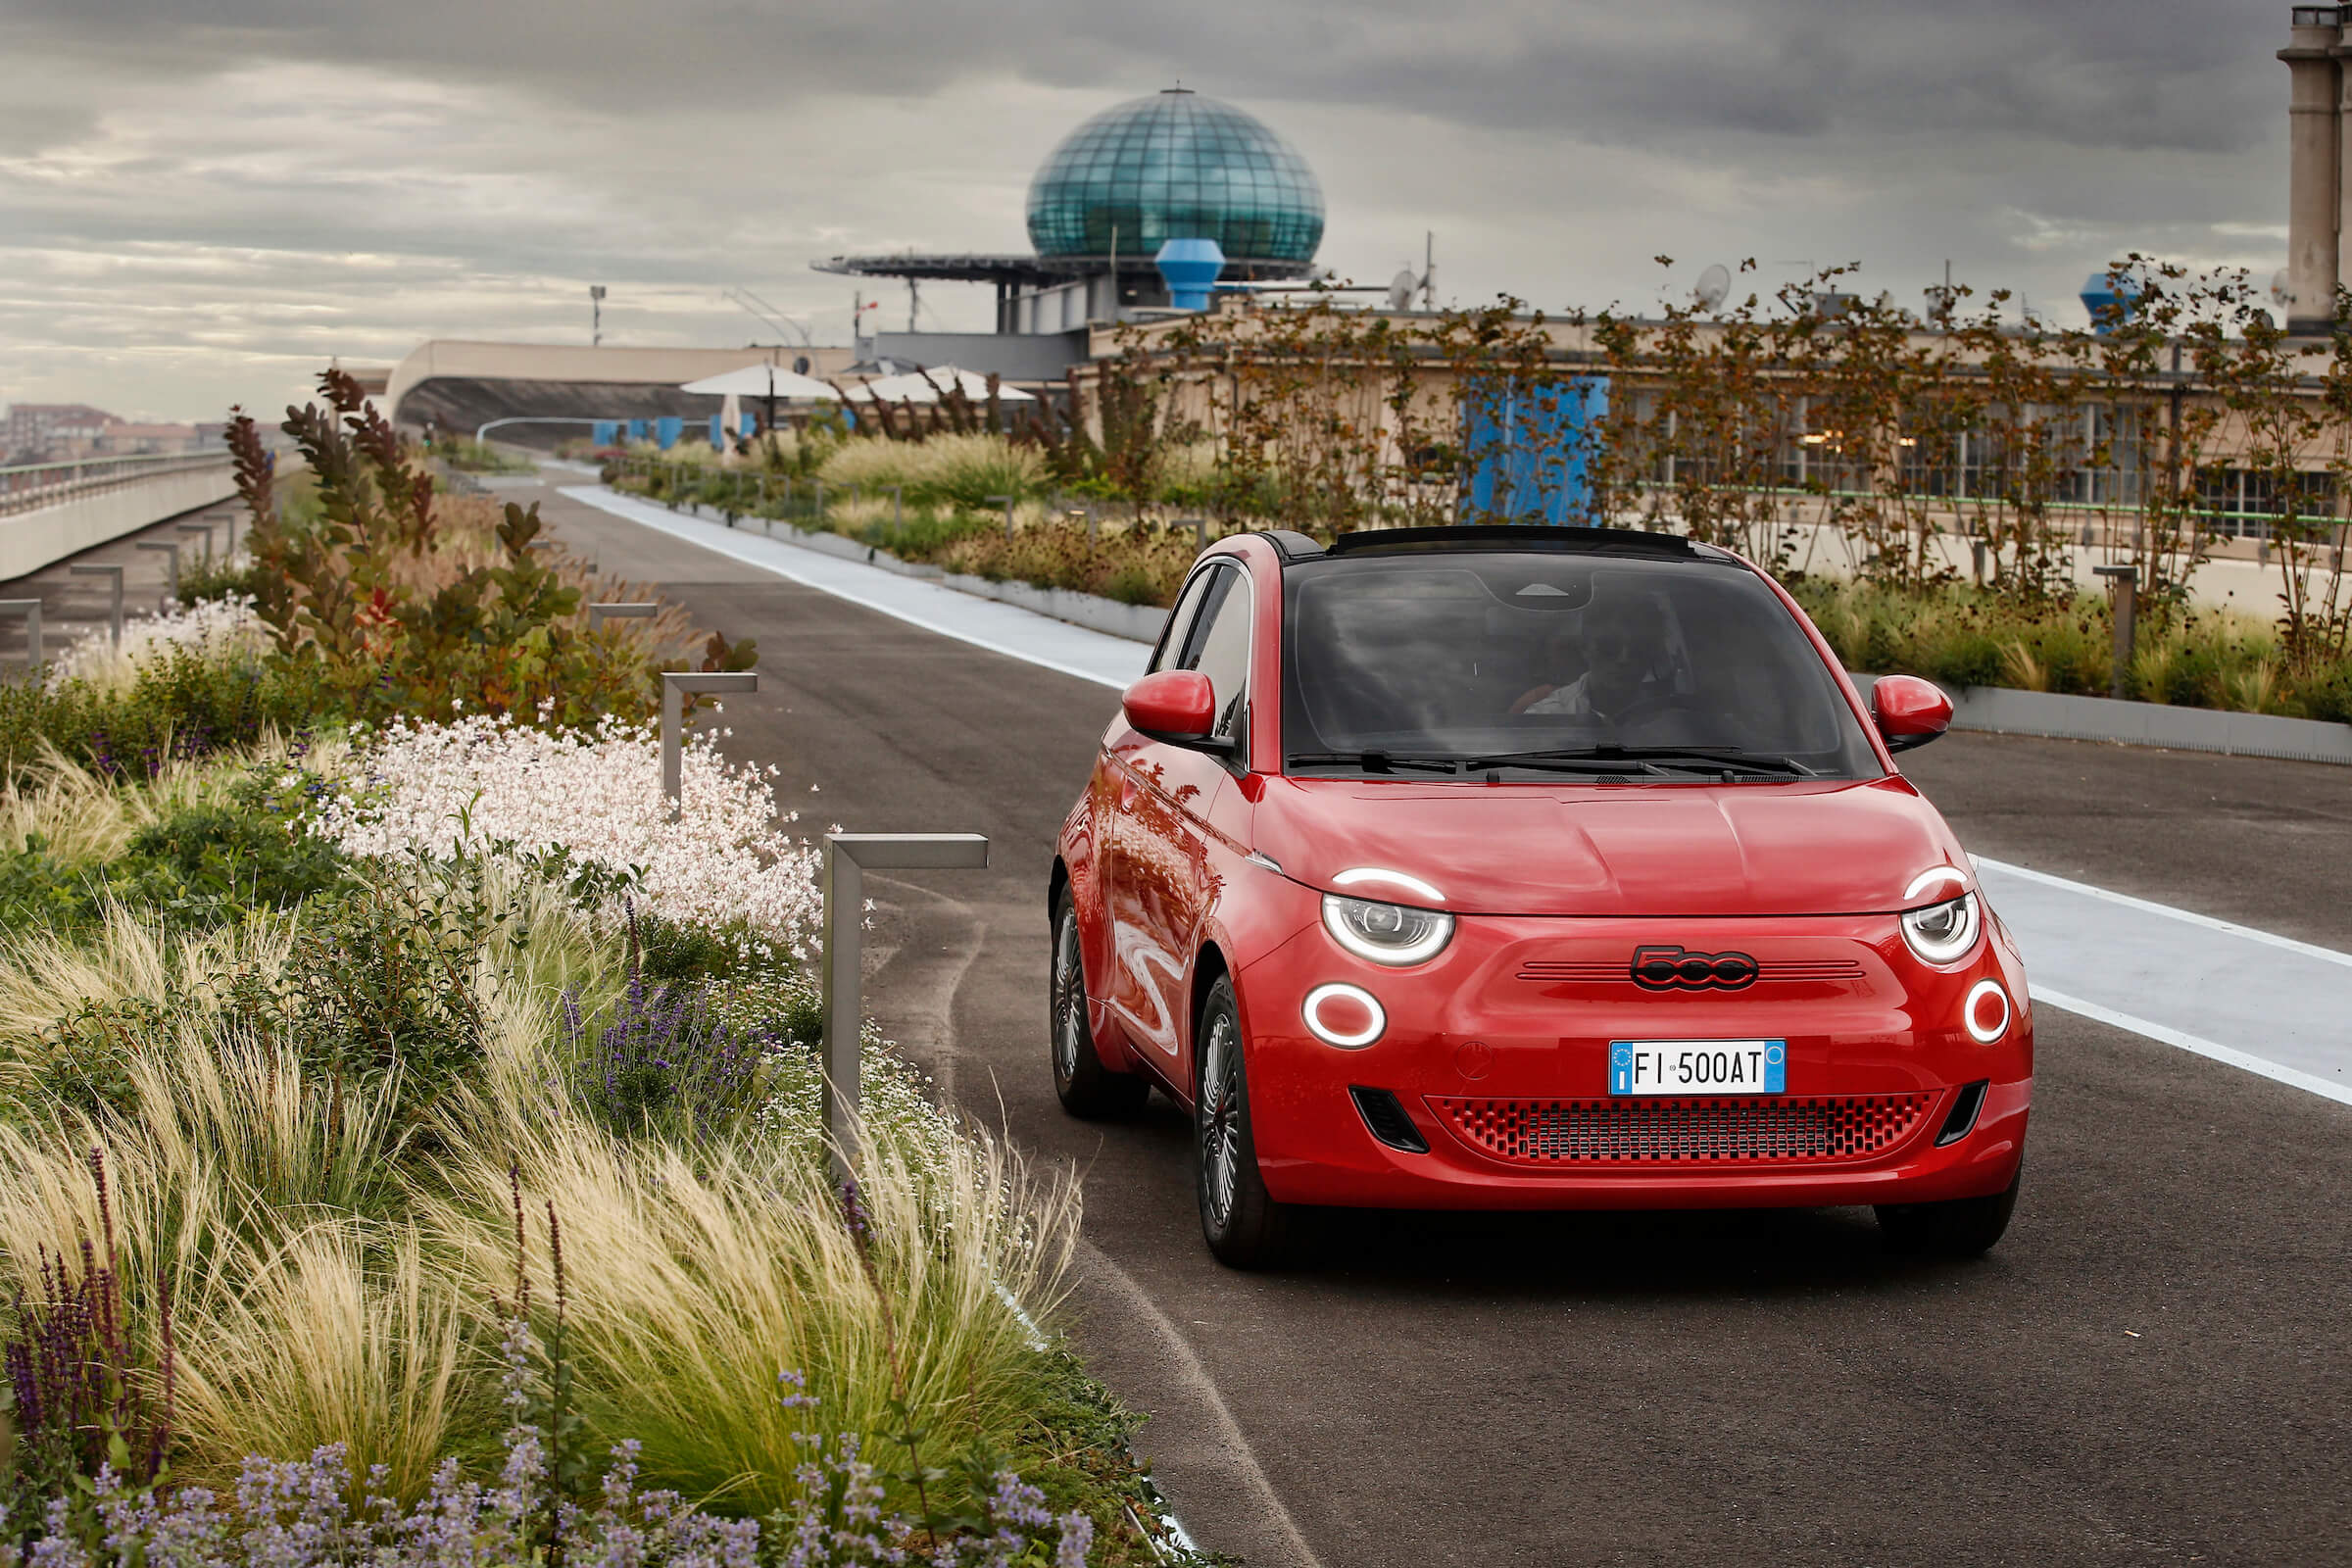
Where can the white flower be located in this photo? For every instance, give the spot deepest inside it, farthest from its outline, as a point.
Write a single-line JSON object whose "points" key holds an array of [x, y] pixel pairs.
{"points": [[482, 785], [209, 627]]}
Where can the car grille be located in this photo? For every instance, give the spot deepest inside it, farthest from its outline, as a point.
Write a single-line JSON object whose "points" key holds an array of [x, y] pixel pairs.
{"points": [[1619, 971], [1684, 1131]]}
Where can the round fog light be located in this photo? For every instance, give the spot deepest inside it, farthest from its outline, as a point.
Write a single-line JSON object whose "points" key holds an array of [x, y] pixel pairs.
{"points": [[1986, 1012], [1343, 1015]]}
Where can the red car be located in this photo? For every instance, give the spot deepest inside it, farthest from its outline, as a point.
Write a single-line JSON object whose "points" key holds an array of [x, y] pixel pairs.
{"points": [[1533, 869]]}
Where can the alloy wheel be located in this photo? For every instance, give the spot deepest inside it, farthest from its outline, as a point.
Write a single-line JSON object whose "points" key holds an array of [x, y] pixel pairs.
{"points": [[1069, 998], [1221, 1120]]}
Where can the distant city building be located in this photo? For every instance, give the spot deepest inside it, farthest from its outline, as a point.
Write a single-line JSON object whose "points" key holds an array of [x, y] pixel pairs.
{"points": [[33, 431]]}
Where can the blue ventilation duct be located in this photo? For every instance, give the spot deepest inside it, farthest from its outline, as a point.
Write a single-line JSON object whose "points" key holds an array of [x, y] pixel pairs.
{"points": [[1190, 267]]}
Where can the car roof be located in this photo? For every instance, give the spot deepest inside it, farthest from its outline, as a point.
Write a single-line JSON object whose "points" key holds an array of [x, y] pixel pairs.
{"points": [[1293, 548], [1517, 537]]}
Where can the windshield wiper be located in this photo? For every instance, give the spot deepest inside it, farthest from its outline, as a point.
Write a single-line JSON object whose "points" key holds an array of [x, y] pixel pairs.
{"points": [[1695, 758], [1372, 761]]}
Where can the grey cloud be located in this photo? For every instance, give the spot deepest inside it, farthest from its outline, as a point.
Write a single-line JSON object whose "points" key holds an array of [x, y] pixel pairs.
{"points": [[2171, 74]]}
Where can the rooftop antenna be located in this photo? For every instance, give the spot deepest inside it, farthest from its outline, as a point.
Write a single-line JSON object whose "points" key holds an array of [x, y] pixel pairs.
{"points": [[1400, 290], [1429, 270], [1714, 287], [596, 315], [1944, 299], [768, 313], [2279, 288]]}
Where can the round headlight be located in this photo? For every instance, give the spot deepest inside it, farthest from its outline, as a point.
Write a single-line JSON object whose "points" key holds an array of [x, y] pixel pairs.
{"points": [[1386, 933], [1944, 933]]}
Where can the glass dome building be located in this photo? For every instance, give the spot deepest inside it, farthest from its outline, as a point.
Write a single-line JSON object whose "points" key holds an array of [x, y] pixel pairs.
{"points": [[1176, 166]]}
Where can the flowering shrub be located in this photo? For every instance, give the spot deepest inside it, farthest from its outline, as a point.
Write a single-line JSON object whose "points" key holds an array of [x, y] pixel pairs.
{"points": [[220, 629], [593, 801], [299, 1514]]}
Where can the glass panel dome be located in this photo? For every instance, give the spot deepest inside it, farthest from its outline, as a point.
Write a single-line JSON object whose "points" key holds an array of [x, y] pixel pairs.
{"points": [[1176, 166]]}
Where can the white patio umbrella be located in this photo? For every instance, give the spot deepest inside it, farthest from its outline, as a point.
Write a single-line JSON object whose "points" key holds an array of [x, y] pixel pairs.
{"points": [[911, 387], [762, 382]]}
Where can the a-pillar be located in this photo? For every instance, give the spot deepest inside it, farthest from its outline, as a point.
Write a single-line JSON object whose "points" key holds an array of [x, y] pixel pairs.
{"points": [[2315, 153]]}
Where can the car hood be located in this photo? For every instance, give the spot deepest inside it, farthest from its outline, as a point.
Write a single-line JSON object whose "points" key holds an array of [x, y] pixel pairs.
{"points": [[1616, 850]]}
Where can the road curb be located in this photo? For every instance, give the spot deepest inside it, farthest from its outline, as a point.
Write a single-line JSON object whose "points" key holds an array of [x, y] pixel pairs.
{"points": [[2054, 715], [1988, 710], [1140, 623]]}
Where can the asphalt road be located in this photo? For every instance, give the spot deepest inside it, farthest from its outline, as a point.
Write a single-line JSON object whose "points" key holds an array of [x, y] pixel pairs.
{"points": [[2154, 1368]]}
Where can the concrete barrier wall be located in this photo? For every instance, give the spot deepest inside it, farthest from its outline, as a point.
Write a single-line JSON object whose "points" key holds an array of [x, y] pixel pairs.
{"points": [[31, 540]]}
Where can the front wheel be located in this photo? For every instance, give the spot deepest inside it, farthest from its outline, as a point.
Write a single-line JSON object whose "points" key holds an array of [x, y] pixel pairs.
{"points": [[1963, 1227], [1245, 1227], [1085, 1086]]}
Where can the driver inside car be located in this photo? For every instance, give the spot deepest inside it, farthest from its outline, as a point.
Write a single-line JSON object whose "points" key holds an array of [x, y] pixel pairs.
{"points": [[1621, 640]]}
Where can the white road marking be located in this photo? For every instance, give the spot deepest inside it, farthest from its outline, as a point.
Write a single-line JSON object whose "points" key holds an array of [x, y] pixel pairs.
{"points": [[1000, 628], [2341, 1094], [2260, 1001], [2257, 1001], [2145, 907]]}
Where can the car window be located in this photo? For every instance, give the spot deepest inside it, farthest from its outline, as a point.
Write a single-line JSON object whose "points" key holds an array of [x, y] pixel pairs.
{"points": [[1476, 654], [1219, 647], [1180, 622]]}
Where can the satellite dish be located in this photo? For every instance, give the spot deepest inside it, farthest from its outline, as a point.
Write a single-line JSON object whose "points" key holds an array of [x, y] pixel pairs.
{"points": [[1714, 286], [2279, 288], [1400, 290]]}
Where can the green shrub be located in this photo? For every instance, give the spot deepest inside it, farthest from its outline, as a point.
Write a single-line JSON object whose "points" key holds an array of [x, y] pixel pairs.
{"points": [[197, 867], [183, 705]]}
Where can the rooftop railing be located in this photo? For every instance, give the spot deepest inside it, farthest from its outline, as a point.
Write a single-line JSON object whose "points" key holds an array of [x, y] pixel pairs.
{"points": [[26, 486]]}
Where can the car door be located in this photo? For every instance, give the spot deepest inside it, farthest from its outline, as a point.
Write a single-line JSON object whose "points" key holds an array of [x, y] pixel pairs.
{"points": [[1160, 881]]}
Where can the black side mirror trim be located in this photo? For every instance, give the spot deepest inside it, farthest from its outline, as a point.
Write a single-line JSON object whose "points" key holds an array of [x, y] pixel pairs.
{"points": [[1910, 743]]}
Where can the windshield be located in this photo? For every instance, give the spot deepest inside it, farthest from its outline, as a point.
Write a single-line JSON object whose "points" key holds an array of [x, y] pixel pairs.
{"points": [[1555, 663]]}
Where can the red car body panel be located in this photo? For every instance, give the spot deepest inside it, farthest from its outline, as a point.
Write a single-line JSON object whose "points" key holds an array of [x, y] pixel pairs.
{"points": [[1179, 860]]}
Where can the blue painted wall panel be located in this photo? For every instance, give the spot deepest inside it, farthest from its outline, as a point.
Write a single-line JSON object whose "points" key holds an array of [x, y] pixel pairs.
{"points": [[1531, 447]]}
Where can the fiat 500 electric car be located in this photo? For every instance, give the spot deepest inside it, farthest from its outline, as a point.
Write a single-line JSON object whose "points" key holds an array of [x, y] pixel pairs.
{"points": [[1533, 869]]}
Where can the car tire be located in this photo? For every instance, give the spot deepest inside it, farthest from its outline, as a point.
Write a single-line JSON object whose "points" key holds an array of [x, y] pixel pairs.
{"points": [[1086, 1088], [1963, 1227], [1246, 1228]]}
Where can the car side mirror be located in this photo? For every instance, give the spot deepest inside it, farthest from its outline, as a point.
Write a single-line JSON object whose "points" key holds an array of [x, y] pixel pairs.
{"points": [[1909, 711], [1176, 706]]}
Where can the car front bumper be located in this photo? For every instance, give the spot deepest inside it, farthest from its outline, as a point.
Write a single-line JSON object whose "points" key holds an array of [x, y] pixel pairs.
{"points": [[1499, 1053]]}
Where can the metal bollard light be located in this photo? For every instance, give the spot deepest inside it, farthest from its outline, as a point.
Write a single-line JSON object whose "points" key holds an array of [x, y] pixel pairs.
{"points": [[2127, 607], [190, 530], [115, 610], [171, 545], [1199, 527], [897, 506], [599, 614], [675, 684], [30, 610], [848, 858], [1007, 502]]}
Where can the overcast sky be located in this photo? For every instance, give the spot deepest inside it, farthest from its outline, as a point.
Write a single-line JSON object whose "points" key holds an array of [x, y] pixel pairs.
{"points": [[201, 201]]}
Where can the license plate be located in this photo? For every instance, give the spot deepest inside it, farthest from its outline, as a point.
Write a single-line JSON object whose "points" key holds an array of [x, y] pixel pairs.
{"points": [[1698, 1066]]}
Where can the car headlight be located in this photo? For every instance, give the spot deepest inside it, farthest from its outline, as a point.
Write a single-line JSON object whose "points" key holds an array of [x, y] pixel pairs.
{"points": [[1386, 933], [1944, 933]]}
